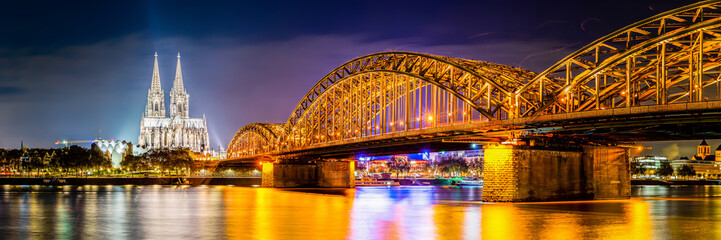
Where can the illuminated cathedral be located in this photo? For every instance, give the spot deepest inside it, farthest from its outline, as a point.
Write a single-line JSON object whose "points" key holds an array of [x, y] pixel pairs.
{"points": [[177, 130]]}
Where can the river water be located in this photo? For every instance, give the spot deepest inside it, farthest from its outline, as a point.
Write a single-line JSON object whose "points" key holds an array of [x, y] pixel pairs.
{"points": [[413, 212]]}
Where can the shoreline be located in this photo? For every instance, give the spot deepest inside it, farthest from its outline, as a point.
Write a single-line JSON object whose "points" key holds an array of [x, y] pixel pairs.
{"points": [[674, 182], [237, 181], [243, 181]]}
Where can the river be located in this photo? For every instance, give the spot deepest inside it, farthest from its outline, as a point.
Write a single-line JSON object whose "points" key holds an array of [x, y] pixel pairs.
{"points": [[412, 212]]}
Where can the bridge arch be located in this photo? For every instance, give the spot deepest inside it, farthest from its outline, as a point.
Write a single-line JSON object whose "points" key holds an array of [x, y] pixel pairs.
{"points": [[673, 57], [390, 91], [668, 58], [256, 138]]}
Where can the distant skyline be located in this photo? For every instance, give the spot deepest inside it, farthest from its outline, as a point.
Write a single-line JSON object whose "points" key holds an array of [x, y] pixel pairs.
{"points": [[74, 70]]}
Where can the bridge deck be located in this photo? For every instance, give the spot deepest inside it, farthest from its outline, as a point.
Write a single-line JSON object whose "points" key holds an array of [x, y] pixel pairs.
{"points": [[642, 123]]}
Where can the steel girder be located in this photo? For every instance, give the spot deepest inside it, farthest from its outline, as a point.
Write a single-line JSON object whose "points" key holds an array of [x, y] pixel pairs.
{"points": [[671, 57], [256, 138], [359, 94]]}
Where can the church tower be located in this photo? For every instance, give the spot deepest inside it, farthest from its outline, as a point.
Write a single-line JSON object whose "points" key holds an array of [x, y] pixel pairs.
{"points": [[703, 150], [155, 107], [178, 95]]}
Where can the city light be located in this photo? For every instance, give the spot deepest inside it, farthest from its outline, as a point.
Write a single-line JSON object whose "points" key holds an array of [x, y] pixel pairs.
{"points": [[527, 156]]}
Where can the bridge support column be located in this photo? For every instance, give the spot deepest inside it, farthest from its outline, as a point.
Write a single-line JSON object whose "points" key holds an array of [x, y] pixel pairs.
{"points": [[336, 174], [323, 174], [525, 173], [267, 176]]}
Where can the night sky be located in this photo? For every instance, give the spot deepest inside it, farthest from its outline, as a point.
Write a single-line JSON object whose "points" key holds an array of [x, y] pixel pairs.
{"points": [[79, 71]]}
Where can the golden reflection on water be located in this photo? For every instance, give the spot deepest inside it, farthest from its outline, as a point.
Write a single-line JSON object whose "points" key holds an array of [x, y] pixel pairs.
{"points": [[263, 213], [498, 221], [150, 212], [412, 214], [639, 220], [560, 226]]}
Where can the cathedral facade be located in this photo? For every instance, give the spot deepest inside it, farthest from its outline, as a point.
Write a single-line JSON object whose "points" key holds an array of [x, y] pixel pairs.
{"points": [[177, 130]]}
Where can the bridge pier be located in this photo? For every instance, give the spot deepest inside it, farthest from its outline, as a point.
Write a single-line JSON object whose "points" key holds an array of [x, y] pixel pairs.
{"points": [[314, 174], [515, 173]]}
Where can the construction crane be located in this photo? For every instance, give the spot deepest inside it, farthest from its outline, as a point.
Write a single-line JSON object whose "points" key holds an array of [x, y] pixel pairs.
{"points": [[66, 142]]}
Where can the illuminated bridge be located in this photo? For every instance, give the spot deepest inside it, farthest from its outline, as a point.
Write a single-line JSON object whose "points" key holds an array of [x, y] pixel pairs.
{"points": [[656, 79]]}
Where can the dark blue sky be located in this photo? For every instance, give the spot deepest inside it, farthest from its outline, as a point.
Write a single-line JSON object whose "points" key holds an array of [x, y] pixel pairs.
{"points": [[69, 70]]}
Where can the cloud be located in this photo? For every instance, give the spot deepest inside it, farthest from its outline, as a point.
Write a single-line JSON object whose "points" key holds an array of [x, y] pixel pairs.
{"points": [[671, 151]]}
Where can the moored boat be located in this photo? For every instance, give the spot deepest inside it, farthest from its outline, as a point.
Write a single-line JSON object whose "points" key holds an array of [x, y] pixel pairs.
{"points": [[375, 182], [470, 183]]}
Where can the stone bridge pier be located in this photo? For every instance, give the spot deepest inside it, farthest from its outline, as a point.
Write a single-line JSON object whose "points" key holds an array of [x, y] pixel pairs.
{"points": [[332, 173], [523, 173]]}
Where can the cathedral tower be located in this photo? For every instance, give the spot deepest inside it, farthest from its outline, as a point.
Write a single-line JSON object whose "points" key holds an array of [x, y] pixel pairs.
{"points": [[155, 107], [178, 95], [177, 131]]}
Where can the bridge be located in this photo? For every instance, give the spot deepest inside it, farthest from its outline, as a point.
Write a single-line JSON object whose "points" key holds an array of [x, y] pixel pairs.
{"points": [[656, 79]]}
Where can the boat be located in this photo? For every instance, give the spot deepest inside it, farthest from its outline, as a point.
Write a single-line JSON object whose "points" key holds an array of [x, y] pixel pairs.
{"points": [[470, 183], [375, 182]]}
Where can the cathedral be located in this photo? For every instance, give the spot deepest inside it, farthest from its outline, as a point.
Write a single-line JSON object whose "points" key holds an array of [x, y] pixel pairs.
{"points": [[177, 130]]}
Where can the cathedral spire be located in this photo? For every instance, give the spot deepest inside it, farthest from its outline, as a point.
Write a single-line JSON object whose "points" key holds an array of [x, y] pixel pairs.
{"points": [[178, 95], [156, 99], [178, 83], [155, 87]]}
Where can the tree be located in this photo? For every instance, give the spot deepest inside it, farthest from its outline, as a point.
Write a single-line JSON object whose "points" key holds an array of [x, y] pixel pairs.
{"points": [[686, 170], [665, 170], [77, 158], [476, 165], [398, 164], [98, 159], [360, 166], [157, 158], [453, 165], [180, 159], [167, 160], [135, 163], [35, 163]]}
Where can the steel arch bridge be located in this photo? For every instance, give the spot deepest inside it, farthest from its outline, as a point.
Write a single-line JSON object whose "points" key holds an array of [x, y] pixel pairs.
{"points": [[256, 138], [663, 61]]}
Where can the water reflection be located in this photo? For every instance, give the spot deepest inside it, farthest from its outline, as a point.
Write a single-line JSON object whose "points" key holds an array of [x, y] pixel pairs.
{"points": [[162, 212]]}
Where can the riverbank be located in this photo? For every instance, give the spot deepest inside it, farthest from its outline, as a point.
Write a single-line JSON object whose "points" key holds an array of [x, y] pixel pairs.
{"points": [[674, 182], [236, 181], [253, 181]]}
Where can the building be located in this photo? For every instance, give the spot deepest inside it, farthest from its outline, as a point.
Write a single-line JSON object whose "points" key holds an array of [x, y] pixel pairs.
{"points": [[177, 130], [706, 165], [649, 164], [703, 152], [115, 150]]}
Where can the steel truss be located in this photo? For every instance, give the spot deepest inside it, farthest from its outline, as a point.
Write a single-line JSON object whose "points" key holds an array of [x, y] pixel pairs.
{"points": [[256, 138], [673, 57]]}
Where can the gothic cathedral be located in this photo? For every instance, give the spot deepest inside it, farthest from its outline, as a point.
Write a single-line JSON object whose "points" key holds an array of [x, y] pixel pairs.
{"points": [[178, 130]]}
